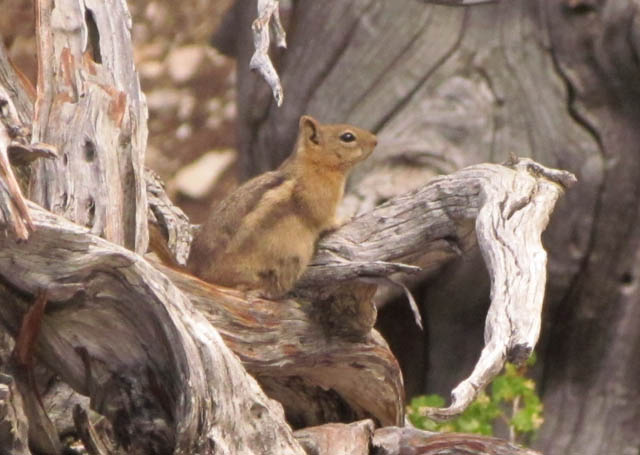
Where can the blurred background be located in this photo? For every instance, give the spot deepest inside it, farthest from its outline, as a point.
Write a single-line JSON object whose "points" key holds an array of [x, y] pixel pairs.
{"points": [[443, 87]]}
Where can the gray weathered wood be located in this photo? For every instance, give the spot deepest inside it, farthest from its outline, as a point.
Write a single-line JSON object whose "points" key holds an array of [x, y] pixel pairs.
{"points": [[14, 206], [13, 422], [319, 372], [169, 221], [89, 105], [359, 438], [336, 438], [166, 380], [268, 22], [15, 87], [405, 441], [511, 208]]}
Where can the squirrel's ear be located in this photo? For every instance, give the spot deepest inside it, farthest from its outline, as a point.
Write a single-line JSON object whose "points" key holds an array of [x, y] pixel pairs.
{"points": [[309, 129]]}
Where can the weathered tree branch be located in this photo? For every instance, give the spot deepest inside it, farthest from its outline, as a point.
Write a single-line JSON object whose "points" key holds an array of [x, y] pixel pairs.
{"points": [[13, 201], [318, 372], [359, 438], [166, 381], [402, 441], [511, 207], [167, 220], [268, 21]]}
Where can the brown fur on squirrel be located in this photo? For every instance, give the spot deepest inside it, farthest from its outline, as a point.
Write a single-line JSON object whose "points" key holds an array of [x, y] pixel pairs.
{"points": [[263, 235]]}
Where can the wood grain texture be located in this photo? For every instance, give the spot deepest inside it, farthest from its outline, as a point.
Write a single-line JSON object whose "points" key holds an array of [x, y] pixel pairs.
{"points": [[319, 374], [89, 105], [96, 289], [591, 377], [266, 24], [13, 421], [405, 441], [509, 207], [167, 382]]}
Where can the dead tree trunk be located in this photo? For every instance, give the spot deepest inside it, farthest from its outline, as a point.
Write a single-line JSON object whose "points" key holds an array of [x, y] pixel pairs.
{"points": [[445, 87], [139, 339]]}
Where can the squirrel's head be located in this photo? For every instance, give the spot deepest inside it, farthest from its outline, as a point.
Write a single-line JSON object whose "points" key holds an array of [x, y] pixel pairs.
{"points": [[337, 146]]}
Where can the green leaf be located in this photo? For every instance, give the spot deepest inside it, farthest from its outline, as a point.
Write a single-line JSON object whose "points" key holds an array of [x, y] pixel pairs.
{"points": [[482, 413]]}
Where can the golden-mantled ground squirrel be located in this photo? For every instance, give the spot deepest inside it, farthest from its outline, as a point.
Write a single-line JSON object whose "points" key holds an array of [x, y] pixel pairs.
{"points": [[263, 235]]}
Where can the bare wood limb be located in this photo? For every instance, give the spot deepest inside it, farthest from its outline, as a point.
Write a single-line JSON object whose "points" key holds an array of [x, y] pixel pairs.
{"points": [[168, 219], [511, 206], [359, 438], [268, 21], [318, 373], [400, 441], [436, 222], [166, 380], [336, 438], [15, 88]]}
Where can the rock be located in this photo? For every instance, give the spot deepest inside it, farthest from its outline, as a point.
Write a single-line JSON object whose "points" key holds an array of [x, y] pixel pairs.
{"points": [[183, 62], [196, 179]]}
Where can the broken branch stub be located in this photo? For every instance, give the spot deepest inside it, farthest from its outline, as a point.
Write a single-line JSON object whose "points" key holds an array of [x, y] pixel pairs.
{"points": [[267, 22], [90, 105]]}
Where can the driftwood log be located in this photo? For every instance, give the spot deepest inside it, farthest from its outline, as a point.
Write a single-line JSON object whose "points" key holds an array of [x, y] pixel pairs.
{"points": [[153, 348]]}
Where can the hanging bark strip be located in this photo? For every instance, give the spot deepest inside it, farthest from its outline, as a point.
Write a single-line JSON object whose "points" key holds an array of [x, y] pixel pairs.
{"points": [[268, 22]]}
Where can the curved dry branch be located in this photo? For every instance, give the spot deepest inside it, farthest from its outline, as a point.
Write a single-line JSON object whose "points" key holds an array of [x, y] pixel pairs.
{"points": [[268, 21], [167, 220], [119, 331], [511, 205]]}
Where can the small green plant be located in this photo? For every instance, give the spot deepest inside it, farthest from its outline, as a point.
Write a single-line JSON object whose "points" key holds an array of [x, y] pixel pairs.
{"points": [[512, 400]]}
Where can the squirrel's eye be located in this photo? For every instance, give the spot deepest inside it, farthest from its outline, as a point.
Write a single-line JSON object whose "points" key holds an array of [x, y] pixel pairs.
{"points": [[347, 137]]}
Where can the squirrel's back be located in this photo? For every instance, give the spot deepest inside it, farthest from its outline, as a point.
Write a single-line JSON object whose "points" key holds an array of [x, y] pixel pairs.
{"points": [[263, 235]]}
